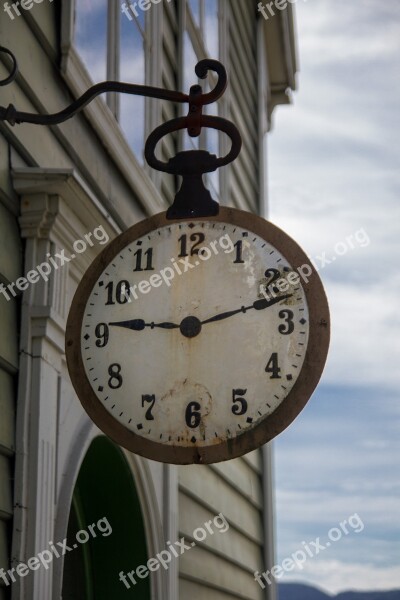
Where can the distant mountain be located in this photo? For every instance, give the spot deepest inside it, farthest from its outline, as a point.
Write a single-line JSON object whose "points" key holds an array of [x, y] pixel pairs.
{"points": [[299, 591]]}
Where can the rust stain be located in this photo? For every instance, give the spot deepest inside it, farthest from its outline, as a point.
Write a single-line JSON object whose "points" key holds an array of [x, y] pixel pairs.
{"points": [[271, 290]]}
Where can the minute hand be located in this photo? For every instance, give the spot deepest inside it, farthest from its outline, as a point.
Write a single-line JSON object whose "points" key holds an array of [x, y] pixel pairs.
{"points": [[257, 305]]}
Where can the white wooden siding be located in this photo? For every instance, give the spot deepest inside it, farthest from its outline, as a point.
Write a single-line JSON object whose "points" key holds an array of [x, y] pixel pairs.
{"points": [[10, 266]]}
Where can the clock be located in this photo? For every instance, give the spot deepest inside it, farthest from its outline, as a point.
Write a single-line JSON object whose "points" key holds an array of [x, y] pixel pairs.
{"points": [[197, 340]]}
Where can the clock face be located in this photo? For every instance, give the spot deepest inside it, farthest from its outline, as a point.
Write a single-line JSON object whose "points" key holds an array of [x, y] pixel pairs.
{"points": [[190, 337]]}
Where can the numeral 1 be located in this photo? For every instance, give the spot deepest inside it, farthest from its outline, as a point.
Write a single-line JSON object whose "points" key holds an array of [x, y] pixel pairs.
{"points": [[239, 249]]}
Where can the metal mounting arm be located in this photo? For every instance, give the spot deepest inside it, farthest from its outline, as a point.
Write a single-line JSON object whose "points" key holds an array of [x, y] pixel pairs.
{"points": [[13, 116], [193, 199]]}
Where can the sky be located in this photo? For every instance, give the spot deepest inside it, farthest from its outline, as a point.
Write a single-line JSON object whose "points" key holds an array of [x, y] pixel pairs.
{"points": [[334, 186]]}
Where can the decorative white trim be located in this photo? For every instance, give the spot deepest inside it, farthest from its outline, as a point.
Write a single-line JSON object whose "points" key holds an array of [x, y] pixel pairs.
{"points": [[144, 481], [269, 517], [53, 431]]}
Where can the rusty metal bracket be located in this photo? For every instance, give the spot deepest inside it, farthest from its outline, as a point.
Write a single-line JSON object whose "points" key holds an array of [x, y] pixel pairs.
{"points": [[193, 199], [14, 69]]}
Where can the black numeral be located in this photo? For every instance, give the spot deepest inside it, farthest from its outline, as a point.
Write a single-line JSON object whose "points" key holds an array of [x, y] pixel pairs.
{"points": [[122, 292], [272, 366], [239, 403], [273, 275], [288, 326], [115, 380], [139, 258], [102, 334], [193, 415], [197, 238], [239, 249], [151, 400]]}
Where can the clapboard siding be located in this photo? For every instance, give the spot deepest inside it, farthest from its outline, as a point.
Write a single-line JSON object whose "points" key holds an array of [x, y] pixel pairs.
{"points": [[200, 566], [237, 474], [243, 103], [7, 413], [210, 490], [254, 460], [170, 80], [75, 144], [232, 544], [10, 270], [223, 562]]}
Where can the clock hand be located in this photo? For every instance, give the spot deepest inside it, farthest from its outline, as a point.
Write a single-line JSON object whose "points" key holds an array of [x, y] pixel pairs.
{"points": [[257, 305], [191, 326], [140, 324]]}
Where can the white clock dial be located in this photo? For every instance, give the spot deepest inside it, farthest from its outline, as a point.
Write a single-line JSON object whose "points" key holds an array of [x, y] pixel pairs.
{"points": [[197, 341], [161, 350]]}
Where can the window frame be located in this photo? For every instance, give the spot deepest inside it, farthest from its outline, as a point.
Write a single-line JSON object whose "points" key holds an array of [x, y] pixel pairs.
{"points": [[197, 39], [101, 116]]}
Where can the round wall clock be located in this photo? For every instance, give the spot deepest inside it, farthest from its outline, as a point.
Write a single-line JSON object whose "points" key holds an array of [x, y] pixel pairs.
{"points": [[197, 340]]}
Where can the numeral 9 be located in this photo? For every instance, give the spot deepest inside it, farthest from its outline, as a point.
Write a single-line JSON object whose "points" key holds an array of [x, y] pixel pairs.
{"points": [[102, 334]]}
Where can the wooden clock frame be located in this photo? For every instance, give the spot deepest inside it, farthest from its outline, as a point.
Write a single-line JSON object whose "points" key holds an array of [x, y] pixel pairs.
{"points": [[269, 426]]}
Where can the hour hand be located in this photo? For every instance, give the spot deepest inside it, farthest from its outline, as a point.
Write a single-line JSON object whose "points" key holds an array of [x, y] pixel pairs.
{"points": [[265, 303], [140, 324]]}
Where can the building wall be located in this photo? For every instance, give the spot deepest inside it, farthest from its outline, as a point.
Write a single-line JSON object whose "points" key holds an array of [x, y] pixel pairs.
{"points": [[223, 565], [10, 270]]}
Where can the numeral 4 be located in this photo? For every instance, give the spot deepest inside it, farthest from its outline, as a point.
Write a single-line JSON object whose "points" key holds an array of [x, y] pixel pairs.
{"points": [[272, 366]]}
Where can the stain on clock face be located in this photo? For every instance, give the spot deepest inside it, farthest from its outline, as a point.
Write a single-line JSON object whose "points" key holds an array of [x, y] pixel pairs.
{"points": [[186, 340]]}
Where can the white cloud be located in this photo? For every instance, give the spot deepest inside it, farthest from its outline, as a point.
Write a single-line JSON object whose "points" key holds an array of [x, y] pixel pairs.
{"points": [[333, 167]]}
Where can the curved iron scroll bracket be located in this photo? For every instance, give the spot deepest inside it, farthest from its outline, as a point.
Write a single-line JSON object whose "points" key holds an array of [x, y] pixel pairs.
{"points": [[14, 69], [193, 199]]}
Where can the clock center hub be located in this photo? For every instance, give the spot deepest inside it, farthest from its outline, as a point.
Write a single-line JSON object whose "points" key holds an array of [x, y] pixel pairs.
{"points": [[190, 327]]}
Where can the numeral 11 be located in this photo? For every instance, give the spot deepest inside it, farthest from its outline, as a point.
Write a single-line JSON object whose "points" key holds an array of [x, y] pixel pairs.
{"points": [[139, 254]]}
